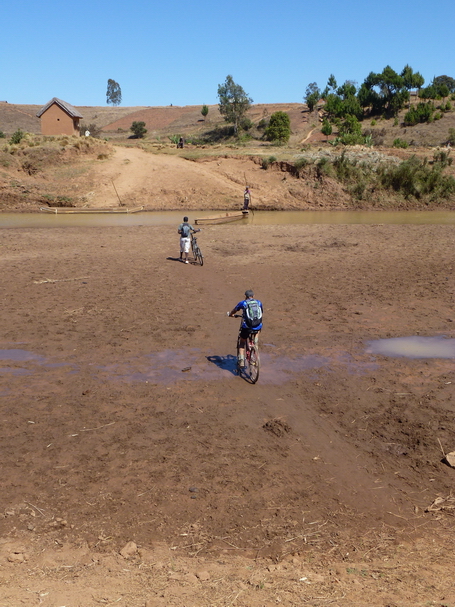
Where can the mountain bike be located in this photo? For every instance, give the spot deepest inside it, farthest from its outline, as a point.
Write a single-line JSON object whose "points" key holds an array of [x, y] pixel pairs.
{"points": [[197, 254], [252, 360]]}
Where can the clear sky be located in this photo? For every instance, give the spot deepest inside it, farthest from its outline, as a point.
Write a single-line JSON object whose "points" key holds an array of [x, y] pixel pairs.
{"points": [[178, 52]]}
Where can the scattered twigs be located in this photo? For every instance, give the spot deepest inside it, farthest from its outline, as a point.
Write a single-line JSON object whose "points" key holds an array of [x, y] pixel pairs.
{"points": [[36, 508], [52, 280], [98, 428], [440, 444]]}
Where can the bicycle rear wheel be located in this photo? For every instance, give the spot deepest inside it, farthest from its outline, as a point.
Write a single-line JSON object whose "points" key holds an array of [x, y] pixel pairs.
{"points": [[253, 364]]}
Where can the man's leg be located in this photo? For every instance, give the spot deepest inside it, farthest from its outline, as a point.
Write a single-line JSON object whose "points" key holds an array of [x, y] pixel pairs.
{"points": [[241, 356]]}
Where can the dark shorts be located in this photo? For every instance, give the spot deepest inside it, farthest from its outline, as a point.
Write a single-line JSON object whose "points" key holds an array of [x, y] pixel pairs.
{"points": [[244, 332]]}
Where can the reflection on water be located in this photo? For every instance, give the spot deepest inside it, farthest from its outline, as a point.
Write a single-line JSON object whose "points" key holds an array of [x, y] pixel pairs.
{"points": [[414, 347], [170, 366], [170, 218]]}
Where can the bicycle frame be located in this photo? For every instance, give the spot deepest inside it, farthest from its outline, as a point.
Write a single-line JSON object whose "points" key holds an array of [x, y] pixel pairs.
{"points": [[251, 355], [197, 254]]}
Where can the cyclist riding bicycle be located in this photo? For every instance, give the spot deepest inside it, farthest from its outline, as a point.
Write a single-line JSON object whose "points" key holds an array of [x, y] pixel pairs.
{"points": [[251, 320]]}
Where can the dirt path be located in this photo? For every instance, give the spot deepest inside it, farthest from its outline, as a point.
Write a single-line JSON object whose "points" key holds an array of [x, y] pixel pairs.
{"points": [[159, 181], [312, 485]]}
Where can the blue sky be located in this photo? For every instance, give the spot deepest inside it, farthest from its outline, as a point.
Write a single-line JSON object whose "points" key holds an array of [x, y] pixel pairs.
{"points": [[177, 52]]}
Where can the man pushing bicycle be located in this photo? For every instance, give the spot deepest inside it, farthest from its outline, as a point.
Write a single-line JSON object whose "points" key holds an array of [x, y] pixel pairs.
{"points": [[251, 321]]}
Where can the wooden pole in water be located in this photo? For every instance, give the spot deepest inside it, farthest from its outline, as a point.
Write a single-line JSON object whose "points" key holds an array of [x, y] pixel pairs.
{"points": [[121, 203]]}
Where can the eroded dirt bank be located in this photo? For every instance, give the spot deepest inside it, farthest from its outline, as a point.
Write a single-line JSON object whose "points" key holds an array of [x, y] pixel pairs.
{"points": [[310, 487]]}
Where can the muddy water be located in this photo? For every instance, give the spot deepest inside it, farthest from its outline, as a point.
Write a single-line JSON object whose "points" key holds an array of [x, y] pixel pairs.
{"points": [[414, 346], [170, 366], [171, 218]]}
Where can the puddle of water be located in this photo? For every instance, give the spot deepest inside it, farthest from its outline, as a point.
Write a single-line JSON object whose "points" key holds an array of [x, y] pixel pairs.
{"points": [[414, 347], [170, 218], [170, 366], [20, 356], [14, 371]]}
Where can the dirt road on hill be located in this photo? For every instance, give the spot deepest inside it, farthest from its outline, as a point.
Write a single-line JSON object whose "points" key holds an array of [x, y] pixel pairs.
{"points": [[126, 480]]}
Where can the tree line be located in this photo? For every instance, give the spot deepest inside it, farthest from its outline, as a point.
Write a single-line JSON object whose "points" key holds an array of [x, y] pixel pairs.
{"points": [[381, 94]]}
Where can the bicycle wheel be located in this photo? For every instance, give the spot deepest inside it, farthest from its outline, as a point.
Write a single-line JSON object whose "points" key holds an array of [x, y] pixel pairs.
{"points": [[253, 364], [199, 256]]}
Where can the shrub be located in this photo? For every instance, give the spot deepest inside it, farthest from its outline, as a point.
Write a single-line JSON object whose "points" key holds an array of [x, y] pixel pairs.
{"points": [[2, 135], [437, 116], [138, 129], [266, 162], [92, 128], [451, 138], [17, 136], [373, 123], [422, 112], [246, 124], [279, 128], [400, 143], [324, 167], [415, 178]]}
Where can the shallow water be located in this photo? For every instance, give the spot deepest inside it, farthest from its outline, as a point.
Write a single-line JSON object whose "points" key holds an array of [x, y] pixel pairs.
{"points": [[170, 366], [171, 218], [414, 346]]}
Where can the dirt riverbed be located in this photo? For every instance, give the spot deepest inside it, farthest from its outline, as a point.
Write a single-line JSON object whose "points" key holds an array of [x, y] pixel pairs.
{"points": [[129, 481]]}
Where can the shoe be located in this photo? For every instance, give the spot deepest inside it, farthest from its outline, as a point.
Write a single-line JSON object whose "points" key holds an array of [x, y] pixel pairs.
{"points": [[241, 363], [186, 260]]}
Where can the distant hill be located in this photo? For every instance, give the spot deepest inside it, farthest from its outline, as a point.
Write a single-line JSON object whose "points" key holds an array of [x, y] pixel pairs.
{"points": [[115, 122]]}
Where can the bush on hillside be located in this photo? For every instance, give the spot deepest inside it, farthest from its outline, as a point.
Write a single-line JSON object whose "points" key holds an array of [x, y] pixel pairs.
{"points": [[17, 136], [422, 112]]}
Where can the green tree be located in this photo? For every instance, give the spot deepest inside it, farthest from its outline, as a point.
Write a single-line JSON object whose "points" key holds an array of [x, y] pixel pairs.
{"points": [[138, 129], [438, 89], [204, 111], [233, 102], [385, 91], [447, 80], [279, 128], [411, 79], [312, 95], [326, 128], [113, 93], [343, 101]]}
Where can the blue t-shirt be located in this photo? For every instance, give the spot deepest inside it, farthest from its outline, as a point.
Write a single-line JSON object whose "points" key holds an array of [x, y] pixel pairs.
{"points": [[242, 306]]}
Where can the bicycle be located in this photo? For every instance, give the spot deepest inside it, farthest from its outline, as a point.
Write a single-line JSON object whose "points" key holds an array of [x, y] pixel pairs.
{"points": [[252, 360], [197, 254]]}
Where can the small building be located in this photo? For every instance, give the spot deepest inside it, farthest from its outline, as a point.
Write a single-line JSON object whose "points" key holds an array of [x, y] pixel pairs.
{"points": [[59, 118]]}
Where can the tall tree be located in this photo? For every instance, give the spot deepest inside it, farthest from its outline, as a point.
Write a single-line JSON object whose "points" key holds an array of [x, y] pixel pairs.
{"points": [[234, 102], [205, 111], [411, 79], [113, 93], [312, 95], [450, 82], [391, 94]]}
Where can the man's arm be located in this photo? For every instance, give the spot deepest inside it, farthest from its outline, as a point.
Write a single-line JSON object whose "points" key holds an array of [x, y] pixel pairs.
{"points": [[234, 310]]}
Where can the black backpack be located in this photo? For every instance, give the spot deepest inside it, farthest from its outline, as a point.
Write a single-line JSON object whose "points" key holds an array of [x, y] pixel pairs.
{"points": [[252, 314]]}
